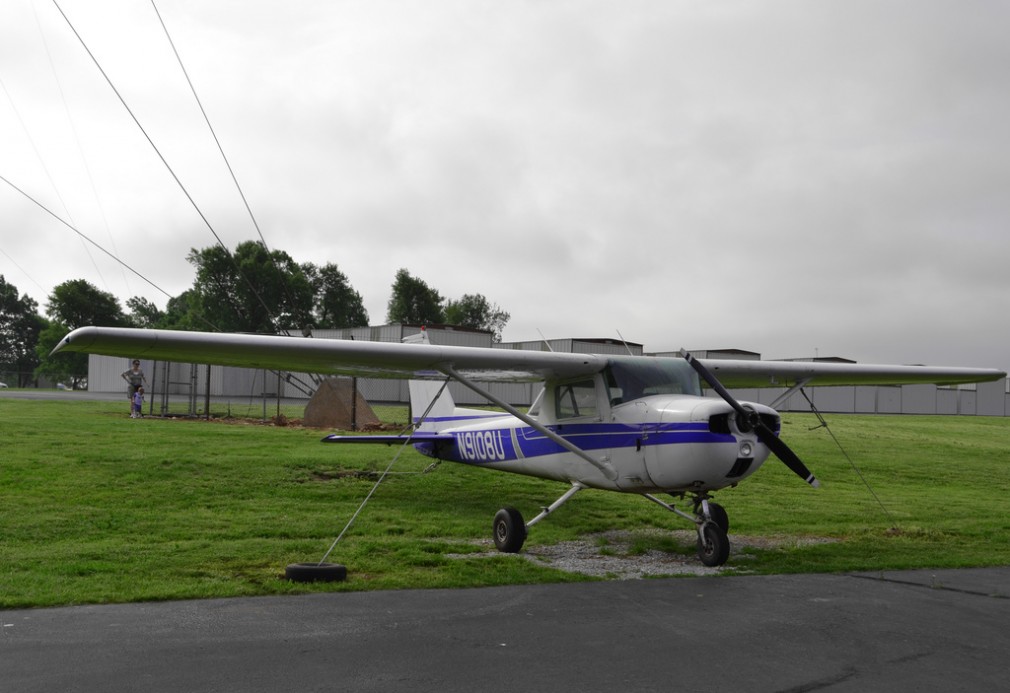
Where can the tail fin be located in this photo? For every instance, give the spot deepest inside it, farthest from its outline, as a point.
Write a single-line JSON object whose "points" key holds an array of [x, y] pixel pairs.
{"points": [[432, 396], [423, 394]]}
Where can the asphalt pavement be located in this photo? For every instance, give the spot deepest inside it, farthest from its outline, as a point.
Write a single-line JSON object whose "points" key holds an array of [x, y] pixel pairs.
{"points": [[946, 630]]}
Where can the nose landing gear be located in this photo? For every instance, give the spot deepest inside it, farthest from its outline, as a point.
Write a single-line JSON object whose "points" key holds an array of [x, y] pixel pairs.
{"points": [[713, 539], [712, 523], [713, 544]]}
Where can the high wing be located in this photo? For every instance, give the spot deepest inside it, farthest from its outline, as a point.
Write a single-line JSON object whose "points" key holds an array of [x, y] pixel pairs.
{"points": [[737, 374], [420, 361], [331, 356]]}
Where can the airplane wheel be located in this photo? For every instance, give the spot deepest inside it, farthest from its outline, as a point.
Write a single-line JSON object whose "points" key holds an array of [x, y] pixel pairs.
{"points": [[509, 530], [713, 545], [719, 516]]}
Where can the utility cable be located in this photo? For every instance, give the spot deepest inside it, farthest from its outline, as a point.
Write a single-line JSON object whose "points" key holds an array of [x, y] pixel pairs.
{"points": [[182, 187], [210, 127], [77, 141], [224, 157], [23, 270], [171, 172], [82, 235], [139, 126], [49, 176]]}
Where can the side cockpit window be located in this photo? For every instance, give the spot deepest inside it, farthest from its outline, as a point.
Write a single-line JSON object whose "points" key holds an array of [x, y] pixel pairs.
{"points": [[577, 399], [534, 410]]}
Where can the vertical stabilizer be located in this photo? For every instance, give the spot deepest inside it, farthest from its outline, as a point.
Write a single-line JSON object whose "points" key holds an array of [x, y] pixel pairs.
{"points": [[443, 413], [423, 392]]}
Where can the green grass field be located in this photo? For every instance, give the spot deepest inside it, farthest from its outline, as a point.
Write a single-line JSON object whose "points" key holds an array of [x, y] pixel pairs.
{"points": [[96, 507]]}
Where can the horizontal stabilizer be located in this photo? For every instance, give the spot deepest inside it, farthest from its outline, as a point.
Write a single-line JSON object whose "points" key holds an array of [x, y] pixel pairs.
{"points": [[416, 437]]}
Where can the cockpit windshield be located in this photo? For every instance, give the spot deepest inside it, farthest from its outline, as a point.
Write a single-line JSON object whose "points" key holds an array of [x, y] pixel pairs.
{"points": [[630, 378]]}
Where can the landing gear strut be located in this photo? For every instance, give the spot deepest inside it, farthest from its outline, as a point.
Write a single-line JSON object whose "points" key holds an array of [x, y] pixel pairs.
{"points": [[716, 513], [509, 530], [712, 523]]}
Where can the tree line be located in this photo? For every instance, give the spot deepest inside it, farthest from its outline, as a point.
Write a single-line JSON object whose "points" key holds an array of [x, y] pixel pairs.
{"points": [[250, 289]]}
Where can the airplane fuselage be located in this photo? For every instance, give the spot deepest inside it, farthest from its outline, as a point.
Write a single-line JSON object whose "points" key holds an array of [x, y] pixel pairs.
{"points": [[655, 443]]}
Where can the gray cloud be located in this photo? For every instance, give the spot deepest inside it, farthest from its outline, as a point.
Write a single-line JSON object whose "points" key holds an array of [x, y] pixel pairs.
{"points": [[779, 177]]}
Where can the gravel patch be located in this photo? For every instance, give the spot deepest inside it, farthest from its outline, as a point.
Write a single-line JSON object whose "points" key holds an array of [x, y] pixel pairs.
{"points": [[609, 554]]}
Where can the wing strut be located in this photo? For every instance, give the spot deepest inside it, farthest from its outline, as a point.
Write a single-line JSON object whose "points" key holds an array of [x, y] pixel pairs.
{"points": [[798, 387], [602, 465]]}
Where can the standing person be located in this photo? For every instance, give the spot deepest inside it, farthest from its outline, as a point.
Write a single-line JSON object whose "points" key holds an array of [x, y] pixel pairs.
{"points": [[138, 404], [135, 378]]}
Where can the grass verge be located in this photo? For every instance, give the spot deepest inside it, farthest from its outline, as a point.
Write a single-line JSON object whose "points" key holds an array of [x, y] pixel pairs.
{"points": [[96, 507]]}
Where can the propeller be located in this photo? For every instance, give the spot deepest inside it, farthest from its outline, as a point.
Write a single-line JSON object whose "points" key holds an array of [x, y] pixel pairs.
{"points": [[750, 420]]}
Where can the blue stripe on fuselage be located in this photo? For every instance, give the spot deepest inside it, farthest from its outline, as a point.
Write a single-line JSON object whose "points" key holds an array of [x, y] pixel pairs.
{"points": [[483, 446]]}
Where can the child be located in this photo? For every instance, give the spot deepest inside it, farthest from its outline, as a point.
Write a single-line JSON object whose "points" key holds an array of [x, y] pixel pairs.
{"points": [[134, 378], [138, 402]]}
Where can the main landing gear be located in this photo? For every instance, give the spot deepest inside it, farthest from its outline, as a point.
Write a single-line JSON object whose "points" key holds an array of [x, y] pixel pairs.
{"points": [[509, 530]]}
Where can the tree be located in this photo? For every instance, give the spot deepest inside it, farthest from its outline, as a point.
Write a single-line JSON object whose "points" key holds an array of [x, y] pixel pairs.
{"points": [[184, 312], [72, 304], [77, 303], [63, 367], [476, 312], [337, 304], [20, 325], [414, 302], [143, 313], [252, 290]]}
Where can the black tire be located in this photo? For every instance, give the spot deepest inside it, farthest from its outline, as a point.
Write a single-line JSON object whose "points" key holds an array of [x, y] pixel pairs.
{"points": [[508, 530], [713, 545], [718, 515], [316, 572]]}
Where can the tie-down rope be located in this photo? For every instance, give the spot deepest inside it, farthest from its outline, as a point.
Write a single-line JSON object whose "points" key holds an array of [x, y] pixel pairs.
{"points": [[384, 474]]}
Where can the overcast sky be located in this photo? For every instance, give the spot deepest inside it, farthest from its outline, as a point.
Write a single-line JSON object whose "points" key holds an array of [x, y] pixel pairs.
{"points": [[792, 178]]}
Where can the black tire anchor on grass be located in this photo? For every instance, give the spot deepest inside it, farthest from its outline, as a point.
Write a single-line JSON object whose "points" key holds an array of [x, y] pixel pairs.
{"points": [[315, 572]]}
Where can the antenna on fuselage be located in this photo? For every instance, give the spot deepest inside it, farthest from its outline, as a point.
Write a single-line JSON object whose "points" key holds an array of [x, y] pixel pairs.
{"points": [[546, 343], [625, 343]]}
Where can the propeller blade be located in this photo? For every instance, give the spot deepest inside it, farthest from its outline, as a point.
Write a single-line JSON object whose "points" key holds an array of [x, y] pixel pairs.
{"points": [[707, 376], [785, 453], [764, 434]]}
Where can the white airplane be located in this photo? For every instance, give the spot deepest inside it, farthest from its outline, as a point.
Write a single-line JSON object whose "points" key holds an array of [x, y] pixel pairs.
{"points": [[633, 424]]}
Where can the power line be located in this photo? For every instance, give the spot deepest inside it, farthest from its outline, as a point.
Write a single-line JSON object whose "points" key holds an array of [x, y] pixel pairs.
{"points": [[139, 126], [171, 172], [45, 169], [77, 141], [82, 235], [224, 157], [210, 127]]}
